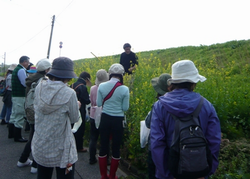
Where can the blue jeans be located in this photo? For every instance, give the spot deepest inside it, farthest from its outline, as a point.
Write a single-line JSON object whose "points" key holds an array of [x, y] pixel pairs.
{"points": [[6, 112]]}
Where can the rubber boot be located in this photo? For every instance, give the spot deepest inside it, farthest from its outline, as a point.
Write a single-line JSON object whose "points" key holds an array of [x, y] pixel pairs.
{"points": [[18, 135], [103, 166], [113, 168], [11, 130]]}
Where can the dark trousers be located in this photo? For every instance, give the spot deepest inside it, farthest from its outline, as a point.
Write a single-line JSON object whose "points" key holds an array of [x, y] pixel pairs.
{"points": [[94, 134], [111, 126], [27, 149], [46, 172], [151, 166], [80, 132]]}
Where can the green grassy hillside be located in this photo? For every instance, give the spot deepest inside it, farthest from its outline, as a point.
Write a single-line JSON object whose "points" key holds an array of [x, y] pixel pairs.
{"points": [[227, 69]]}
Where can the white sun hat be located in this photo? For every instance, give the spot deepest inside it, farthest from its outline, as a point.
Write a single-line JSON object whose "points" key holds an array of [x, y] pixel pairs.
{"points": [[185, 71]]}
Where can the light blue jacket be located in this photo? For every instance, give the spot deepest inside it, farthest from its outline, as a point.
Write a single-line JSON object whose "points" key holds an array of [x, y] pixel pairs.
{"points": [[118, 103]]}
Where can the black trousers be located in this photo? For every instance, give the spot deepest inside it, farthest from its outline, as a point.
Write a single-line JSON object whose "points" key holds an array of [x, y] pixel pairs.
{"points": [[151, 166], [27, 149], [94, 134], [80, 132], [46, 172], [111, 126]]}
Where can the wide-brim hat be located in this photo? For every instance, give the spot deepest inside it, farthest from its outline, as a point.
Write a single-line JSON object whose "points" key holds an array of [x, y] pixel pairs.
{"points": [[185, 71], [12, 67], [101, 76], [62, 67], [160, 83]]}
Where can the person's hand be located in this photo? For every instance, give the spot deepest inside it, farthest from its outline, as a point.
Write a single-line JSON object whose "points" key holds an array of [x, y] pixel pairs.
{"points": [[201, 178], [79, 104], [131, 68]]}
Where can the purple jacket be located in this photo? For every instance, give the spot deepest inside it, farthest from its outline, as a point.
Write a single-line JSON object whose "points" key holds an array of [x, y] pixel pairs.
{"points": [[181, 103]]}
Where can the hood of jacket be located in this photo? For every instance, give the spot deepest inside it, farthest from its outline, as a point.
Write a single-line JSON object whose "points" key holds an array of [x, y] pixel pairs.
{"points": [[180, 102], [33, 78], [52, 96]]}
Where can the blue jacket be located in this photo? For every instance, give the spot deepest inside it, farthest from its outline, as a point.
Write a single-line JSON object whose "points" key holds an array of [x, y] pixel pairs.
{"points": [[181, 103]]}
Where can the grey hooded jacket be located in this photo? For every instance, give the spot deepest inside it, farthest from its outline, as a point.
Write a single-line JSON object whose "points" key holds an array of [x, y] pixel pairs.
{"points": [[56, 108]]}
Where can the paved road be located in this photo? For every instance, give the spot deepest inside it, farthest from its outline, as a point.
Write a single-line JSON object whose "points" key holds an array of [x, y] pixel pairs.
{"points": [[10, 152]]}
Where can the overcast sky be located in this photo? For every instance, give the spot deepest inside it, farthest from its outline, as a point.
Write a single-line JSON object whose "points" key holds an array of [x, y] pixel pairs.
{"points": [[103, 26]]}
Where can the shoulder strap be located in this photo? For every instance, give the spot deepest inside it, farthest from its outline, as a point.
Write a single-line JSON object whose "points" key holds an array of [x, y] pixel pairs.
{"points": [[179, 122], [112, 91], [77, 86], [197, 110]]}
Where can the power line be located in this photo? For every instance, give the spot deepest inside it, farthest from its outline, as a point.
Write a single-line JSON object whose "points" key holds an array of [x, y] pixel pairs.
{"points": [[41, 30], [29, 39], [64, 9]]}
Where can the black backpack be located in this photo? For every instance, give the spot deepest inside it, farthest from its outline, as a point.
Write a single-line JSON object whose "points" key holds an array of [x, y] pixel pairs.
{"points": [[189, 155]]}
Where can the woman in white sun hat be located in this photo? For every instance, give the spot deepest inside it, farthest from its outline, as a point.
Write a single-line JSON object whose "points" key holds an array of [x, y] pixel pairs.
{"points": [[182, 101]]}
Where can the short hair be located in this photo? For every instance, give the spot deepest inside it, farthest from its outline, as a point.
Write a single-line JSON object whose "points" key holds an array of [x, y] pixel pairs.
{"points": [[23, 59], [187, 85], [53, 78], [126, 45], [120, 76], [85, 75]]}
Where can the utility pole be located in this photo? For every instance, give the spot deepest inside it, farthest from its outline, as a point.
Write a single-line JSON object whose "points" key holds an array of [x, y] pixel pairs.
{"points": [[52, 26]]}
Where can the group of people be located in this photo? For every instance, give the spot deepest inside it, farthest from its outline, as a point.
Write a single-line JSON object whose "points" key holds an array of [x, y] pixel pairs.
{"points": [[57, 106]]}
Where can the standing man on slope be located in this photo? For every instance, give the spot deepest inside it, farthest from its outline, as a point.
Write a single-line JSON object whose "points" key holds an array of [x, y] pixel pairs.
{"points": [[18, 99], [128, 59]]}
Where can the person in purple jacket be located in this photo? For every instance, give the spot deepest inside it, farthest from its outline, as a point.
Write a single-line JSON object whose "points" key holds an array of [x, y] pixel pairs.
{"points": [[181, 101]]}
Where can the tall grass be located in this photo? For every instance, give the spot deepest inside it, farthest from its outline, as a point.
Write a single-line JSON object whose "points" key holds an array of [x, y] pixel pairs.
{"points": [[226, 67]]}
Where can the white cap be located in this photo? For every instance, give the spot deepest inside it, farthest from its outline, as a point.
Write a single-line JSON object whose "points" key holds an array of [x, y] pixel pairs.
{"points": [[43, 65], [116, 68], [185, 71]]}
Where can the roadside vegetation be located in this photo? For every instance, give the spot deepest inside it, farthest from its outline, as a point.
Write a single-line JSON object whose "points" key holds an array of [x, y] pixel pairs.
{"points": [[227, 69]]}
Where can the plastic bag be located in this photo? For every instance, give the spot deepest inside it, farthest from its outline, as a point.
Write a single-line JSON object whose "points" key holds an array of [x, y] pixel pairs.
{"points": [[77, 124], [97, 116], [144, 133]]}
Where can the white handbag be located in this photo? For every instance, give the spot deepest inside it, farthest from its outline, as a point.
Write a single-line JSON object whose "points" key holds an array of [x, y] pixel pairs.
{"points": [[77, 124]]}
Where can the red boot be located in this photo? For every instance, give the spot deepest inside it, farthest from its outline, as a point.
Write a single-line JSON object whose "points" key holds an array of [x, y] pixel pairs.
{"points": [[113, 168], [103, 166]]}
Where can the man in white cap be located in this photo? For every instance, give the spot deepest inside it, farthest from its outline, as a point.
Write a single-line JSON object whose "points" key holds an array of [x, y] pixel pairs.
{"points": [[181, 101]]}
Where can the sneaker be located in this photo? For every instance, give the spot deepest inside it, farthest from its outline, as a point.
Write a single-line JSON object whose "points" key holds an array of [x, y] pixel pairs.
{"points": [[27, 163], [33, 170]]}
